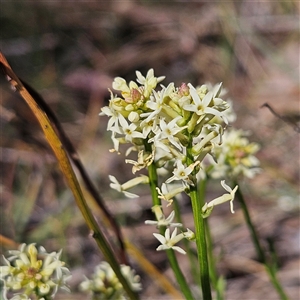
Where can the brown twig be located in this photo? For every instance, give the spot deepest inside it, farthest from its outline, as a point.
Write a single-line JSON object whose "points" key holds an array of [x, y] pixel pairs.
{"points": [[291, 120]]}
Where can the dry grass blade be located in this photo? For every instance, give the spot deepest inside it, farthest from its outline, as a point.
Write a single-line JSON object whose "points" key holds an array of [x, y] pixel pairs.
{"points": [[77, 162], [8, 242], [68, 172], [49, 132]]}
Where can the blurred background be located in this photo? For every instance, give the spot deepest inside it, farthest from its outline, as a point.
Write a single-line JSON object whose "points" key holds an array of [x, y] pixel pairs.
{"points": [[70, 52]]}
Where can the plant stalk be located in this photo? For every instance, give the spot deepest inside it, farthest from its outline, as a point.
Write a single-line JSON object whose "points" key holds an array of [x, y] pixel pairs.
{"points": [[211, 259], [190, 253], [199, 230], [153, 182], [201, 243]]}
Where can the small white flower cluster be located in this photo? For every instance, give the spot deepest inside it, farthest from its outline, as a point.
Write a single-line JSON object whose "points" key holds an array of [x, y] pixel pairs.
{"points": [[29, 272], [105, 285], [173, 128], [235, 157], [169, 241]]}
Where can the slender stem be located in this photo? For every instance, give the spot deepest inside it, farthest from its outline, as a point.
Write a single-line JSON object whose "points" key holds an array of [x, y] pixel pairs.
{"points": [[211, 260], [153, 180], [259, 250], [200, 233], [201, 244], [254, 236], [179, 276], [190, 253], [215, 279]]}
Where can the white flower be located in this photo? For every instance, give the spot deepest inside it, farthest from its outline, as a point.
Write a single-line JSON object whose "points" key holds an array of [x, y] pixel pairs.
{"points": [[133, 117], [169, 131], [190, 235], [122, 188], [149, 125], [168, 241], [115, 141], [33, 272], [205, 141], [149, 77], [161, 219], [167, 195], [150, 82], [129, 130], [120, 84], [201, 107], [208, 207], [182, 172], [104, 284], [133, 279], [113, 117], [142, 162], [236, 156], [155, 104]]}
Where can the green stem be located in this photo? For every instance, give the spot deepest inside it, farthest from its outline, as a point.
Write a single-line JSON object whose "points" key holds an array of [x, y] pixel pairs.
{"points": [[109, 256], [259, 250], [190, 253], [212, 273], [179, 276], [212, 266], [200, 232], [211, 259], [153, 181], [201, 244]]}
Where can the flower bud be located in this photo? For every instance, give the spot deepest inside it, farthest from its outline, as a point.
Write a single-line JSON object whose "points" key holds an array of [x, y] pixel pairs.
{"points": [[133, 117]]}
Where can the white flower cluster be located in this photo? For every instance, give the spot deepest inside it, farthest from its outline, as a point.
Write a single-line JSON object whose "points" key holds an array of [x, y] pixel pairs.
{"points": [[105, 285], [30, 271], [160, 125], [171, 127], [235, 157]]}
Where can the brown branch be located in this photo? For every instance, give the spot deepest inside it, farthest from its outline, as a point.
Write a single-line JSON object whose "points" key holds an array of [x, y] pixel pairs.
{"points": [[291, 120]]}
